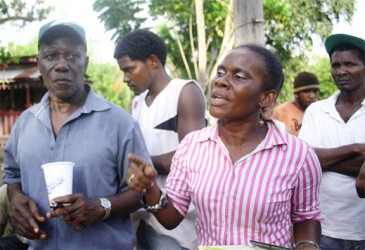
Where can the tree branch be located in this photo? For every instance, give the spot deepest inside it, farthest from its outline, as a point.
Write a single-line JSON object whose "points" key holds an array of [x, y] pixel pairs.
{"points": [[17, 18]]}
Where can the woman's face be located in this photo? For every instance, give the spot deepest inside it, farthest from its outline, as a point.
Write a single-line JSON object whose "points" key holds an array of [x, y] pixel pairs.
{"points": [[237, 90]]}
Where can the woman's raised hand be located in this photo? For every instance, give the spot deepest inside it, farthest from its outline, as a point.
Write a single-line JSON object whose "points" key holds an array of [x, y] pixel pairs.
{"points": [[140, 175]]}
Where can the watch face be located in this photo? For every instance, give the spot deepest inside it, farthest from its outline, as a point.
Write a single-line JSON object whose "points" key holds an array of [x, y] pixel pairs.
{"points": [[106, 203]]}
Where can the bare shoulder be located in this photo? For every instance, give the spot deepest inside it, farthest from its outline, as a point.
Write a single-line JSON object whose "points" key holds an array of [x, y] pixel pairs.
{"points": [[190, 92], [191, 107]]}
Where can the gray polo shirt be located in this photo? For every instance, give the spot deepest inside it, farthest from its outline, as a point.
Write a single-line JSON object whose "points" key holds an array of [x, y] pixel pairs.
{"points": [[97, 137]]}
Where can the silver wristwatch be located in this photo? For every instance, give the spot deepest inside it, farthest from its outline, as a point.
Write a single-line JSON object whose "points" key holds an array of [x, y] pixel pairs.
{"points": [[157, 207], [105, 203]]}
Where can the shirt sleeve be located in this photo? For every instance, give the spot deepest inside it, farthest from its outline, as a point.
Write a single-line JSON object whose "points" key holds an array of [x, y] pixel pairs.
{"points": [[133, 143], [12, 169], [177, 186], [306, 204]]}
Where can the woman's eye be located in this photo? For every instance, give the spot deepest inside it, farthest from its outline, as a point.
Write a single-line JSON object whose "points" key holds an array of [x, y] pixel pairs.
{"points": [[350, 64], [240, 76], [220, 73]]}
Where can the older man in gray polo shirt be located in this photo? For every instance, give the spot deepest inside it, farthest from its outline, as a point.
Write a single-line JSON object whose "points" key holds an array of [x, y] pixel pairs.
{"points": [[72, 123]]}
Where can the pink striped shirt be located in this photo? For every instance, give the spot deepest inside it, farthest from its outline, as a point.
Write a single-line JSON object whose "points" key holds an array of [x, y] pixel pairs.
{"points": [[257, 198]]}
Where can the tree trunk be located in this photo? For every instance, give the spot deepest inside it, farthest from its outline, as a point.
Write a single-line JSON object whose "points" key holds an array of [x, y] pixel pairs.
{"points": [[202, 48], [248, 22]]}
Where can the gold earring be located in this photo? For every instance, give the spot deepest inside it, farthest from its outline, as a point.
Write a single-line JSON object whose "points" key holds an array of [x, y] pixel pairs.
{"points": [[261, 121]]}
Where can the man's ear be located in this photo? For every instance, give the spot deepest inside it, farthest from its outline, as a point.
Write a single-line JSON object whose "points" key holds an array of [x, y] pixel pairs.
{"points": [[86, 63], [268, 98], [38, 62], [153, 61]]}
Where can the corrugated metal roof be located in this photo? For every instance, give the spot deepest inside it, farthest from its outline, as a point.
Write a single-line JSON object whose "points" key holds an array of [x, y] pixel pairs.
{"points": [[18, 77], [12, 74]]}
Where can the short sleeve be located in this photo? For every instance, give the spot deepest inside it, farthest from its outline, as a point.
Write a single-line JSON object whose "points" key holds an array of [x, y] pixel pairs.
{"points": [[306, 204]]}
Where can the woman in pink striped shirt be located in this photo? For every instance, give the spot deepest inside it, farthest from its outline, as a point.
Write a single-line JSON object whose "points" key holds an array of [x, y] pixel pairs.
{"points": [[248, 179]]}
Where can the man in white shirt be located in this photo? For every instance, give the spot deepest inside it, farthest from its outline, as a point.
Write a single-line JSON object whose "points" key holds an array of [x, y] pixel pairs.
{"points": [[334, 127]]}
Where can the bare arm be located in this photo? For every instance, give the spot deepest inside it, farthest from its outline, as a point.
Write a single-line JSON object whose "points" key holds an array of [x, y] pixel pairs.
{"points": [[307, 230], [360, 182], [191, 110], [345, 160], [162, 162], [144, 181], [349, 167], [191, 116]]}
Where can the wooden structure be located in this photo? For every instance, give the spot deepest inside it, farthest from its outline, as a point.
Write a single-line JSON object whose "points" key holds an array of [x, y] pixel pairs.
{"points": [[248, 22], [21, 86]]}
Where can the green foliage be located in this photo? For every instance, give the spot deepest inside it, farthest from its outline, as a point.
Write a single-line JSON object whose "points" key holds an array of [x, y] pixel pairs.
{"points": [[112, 11], [291, 69], [289, 28], [290, 25], [322, 68], [31, 48], [24, 11], [5, 56], [19, 11], [11, 53], [176, 15], [107, 80]]}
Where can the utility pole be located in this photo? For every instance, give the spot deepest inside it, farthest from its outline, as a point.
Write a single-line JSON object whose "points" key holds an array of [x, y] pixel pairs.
{"points": [[248, 22]]}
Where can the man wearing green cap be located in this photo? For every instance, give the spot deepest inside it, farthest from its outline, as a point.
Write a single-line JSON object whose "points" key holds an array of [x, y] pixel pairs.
{"points": [[72, 123], [334, 127]]}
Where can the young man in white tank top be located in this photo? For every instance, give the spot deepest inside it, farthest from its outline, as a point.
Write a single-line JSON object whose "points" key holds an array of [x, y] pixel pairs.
{"points": [[166, 110]]}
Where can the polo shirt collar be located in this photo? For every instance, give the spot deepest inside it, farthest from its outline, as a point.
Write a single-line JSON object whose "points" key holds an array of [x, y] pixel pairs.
{"points": [[94, 102]]}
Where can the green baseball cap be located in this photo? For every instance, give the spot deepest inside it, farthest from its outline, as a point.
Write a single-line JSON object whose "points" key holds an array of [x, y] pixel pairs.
{"points": [[59, 28], [337, 39]]}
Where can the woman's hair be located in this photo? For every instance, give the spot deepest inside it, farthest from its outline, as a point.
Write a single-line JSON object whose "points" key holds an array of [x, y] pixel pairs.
{"points": [[272, 67], [140, 45]]}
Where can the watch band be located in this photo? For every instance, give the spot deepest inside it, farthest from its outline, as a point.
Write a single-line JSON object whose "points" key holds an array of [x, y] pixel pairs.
{"points": [[106, 204], [157, 207]]}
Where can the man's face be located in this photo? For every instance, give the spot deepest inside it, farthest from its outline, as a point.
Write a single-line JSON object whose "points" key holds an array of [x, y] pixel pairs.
{"points": [[137, 74], [306, 97], [62, 65], [348, 71]]}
